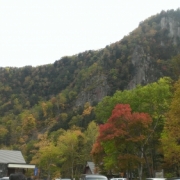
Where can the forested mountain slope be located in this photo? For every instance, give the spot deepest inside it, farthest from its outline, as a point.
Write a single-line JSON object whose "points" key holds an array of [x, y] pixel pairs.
{"points": [[141, 57], [63, 94]]}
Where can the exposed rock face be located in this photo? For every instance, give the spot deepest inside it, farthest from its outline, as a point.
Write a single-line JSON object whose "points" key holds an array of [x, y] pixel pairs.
{"points": [[144, 71], [141, 63], [94, 91], [172, 26]]}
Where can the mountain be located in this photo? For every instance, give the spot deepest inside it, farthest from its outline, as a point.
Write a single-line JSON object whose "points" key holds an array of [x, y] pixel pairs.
{"points": [[55, 94]]}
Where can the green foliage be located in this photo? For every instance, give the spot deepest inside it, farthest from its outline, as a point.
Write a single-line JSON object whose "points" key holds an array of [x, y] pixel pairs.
{"points": [[71, 145], [170, 137], [175, 64], [124, 140], [153, 98]]}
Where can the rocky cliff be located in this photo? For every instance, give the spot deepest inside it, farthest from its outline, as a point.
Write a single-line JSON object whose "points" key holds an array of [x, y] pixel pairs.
{"points": [[94, 90], [161, 38]]}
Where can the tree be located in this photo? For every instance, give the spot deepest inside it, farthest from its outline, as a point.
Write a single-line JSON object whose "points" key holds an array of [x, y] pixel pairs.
{"points": [[60, 102], [153, 99], [71, 144], [87, 109], [123, 140], [90, 135], [3, 133], [175, 65], [171, 137], [47, 156], [28, 123]]}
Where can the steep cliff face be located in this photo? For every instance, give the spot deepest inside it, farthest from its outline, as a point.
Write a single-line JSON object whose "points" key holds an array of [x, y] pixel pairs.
{"points": [[172, 26], [141, 62], [144, 69], [94, 90]]}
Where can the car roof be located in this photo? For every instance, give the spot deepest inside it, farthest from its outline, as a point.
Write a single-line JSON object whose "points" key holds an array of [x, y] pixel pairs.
{"points": [[156, 178], [93, 175]]}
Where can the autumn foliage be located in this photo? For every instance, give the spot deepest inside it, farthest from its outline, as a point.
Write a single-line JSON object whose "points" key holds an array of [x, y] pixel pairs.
{"points": [[170, 136], [121, 139]]}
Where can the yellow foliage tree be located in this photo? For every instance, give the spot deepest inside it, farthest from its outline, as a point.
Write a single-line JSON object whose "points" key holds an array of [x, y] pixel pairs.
{"points": [[46, 156], [70, 144], [87, 109], [171, 134], [3, 132]]}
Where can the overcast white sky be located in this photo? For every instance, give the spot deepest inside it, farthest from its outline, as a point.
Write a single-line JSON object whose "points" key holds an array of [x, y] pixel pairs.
{"points": [[38, 32]]}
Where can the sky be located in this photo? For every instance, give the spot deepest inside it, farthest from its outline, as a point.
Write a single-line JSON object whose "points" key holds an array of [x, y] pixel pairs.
{"points": [[39, 32]]}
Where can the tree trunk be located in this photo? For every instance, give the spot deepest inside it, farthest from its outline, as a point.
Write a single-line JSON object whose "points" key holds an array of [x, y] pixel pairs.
{"points": [[148, 167]]}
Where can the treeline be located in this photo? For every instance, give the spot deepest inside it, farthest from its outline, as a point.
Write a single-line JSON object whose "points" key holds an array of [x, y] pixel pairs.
{"points": [[25, 87]]}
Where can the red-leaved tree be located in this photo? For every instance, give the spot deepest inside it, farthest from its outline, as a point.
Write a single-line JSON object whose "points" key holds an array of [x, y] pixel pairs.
{"points": [[122, 141]]}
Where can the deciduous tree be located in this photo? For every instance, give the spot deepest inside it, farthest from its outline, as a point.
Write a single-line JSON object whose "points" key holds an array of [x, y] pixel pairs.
{"points": [[122, 141], [171, 133], [46, 156], [70, 145]]}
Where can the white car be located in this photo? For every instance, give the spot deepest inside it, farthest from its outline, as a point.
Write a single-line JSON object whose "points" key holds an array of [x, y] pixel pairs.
{"points": [[118, 179], [4, 178], [93, 177]]}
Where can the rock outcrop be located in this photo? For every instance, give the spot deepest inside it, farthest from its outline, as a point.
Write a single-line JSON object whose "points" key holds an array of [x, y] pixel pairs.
{"points": [[94, 90]]}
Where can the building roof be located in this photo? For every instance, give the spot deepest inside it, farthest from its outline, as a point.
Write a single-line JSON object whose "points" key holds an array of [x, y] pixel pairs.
{"points": [[91, 166], [11, 156]]}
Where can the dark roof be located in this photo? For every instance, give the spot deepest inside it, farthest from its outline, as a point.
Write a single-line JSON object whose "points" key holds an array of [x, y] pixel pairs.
{"points": [[10, 156]]}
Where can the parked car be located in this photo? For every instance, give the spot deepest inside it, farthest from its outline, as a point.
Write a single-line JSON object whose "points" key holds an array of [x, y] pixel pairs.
{"points": [[4, 178], [93, 177], [156, 178], [118, 178]]}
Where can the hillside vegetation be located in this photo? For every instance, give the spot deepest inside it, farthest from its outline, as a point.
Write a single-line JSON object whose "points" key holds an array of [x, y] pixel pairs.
{"points": [[45, 109]]}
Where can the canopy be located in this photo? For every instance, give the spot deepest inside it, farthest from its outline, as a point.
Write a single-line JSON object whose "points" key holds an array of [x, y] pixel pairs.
{"points": [[27, 166]]}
